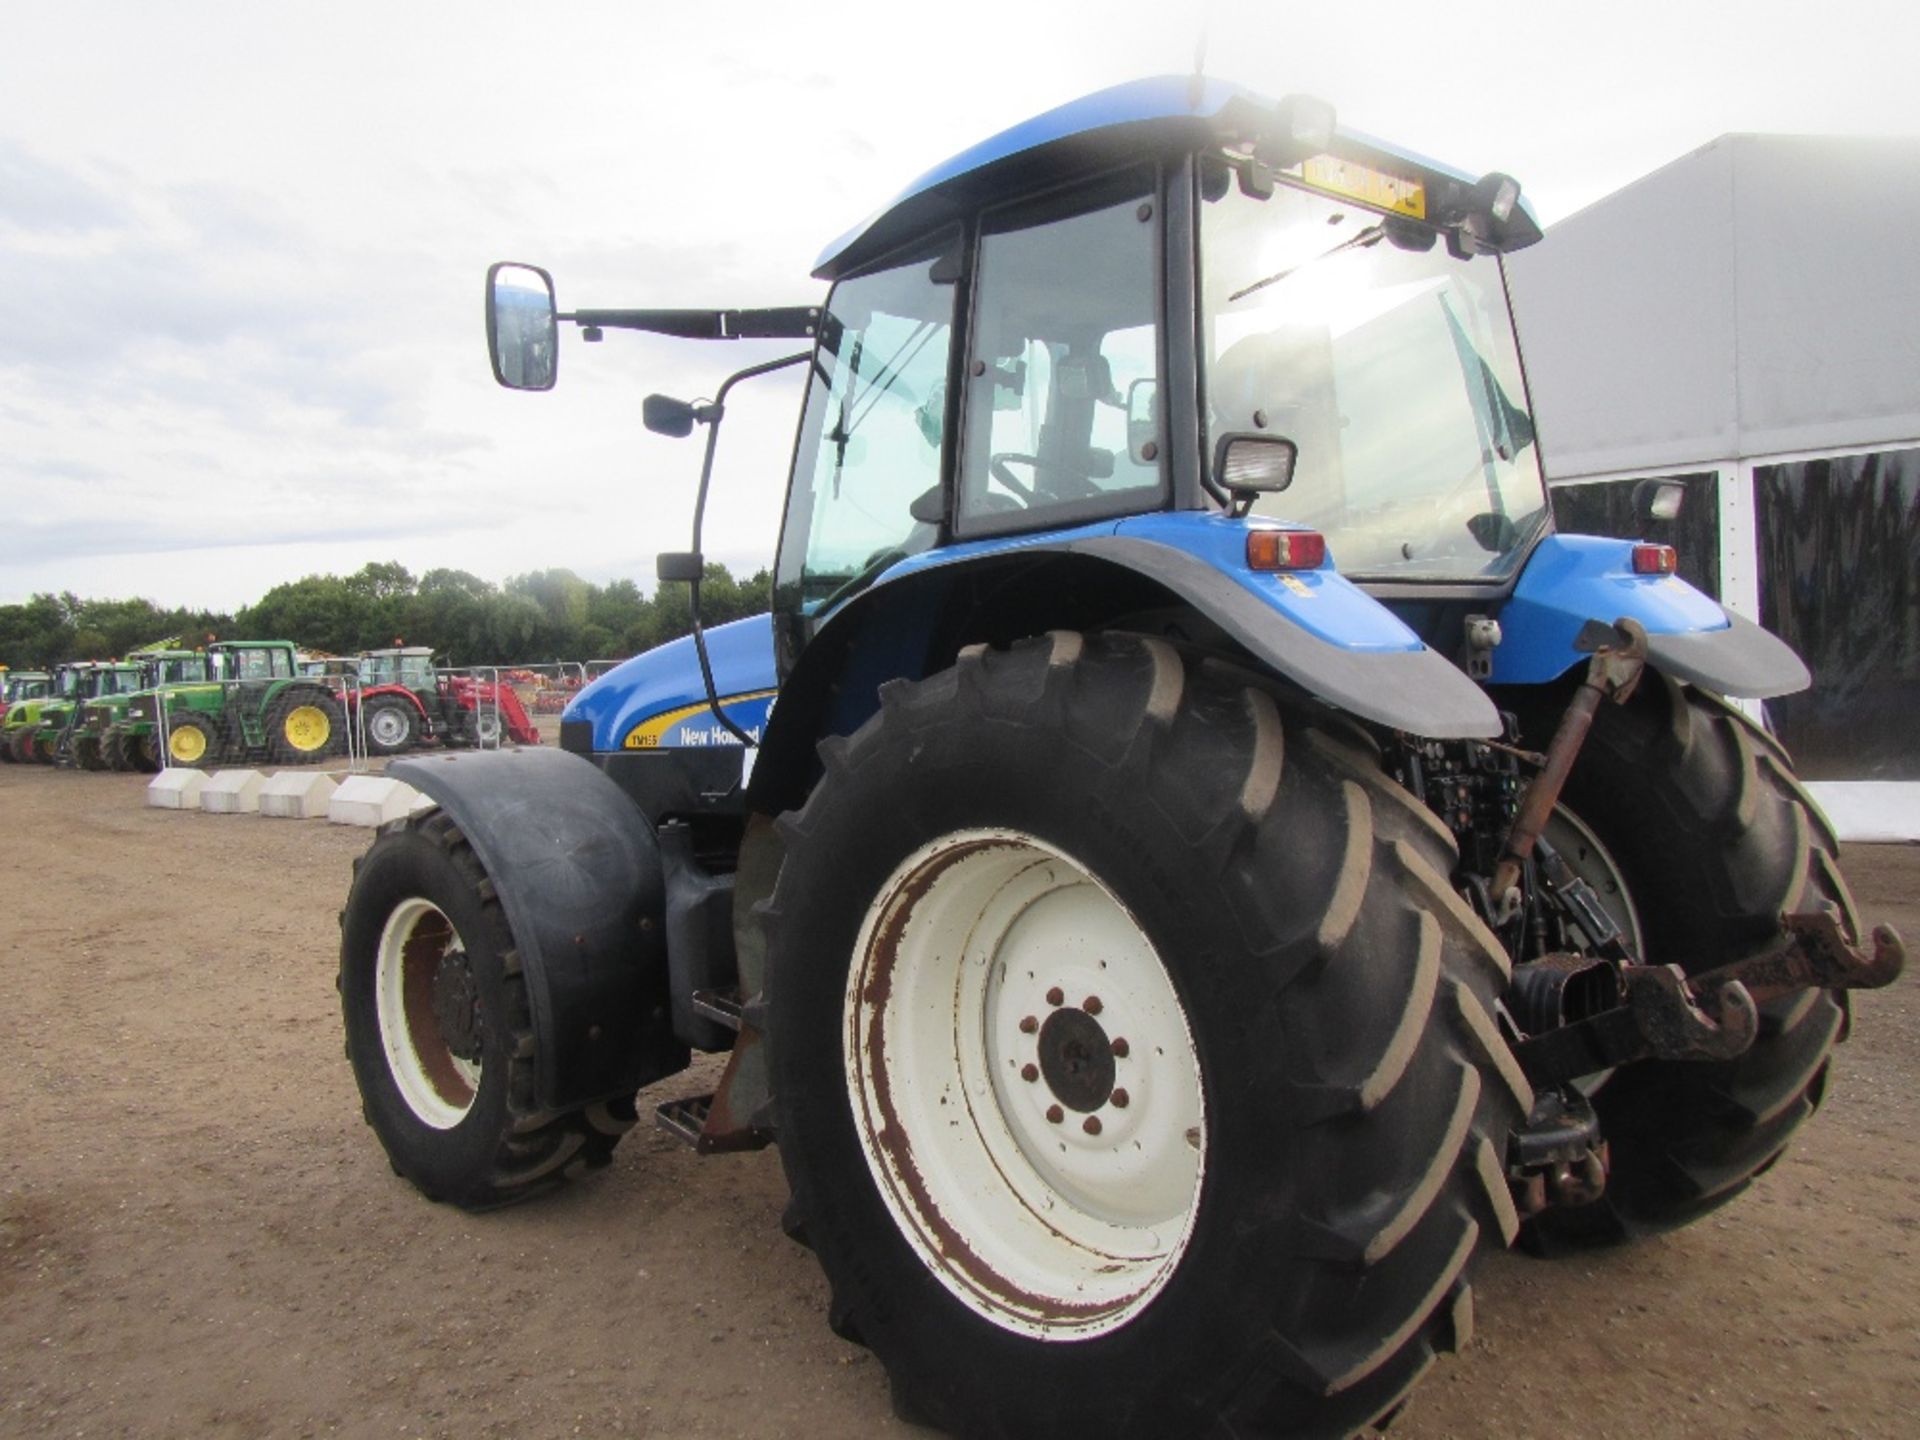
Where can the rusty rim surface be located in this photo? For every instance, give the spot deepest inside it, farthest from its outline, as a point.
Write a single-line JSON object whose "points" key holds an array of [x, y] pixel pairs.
{"points": [[431, 1040], [1025, 1086]]}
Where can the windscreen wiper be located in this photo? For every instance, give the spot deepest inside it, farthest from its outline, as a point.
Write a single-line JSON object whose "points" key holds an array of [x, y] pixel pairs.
{"points": [[1369, 236]]}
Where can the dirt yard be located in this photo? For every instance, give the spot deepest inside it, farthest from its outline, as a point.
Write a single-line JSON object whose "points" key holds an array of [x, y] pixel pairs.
{"points": [[198, 1236]]}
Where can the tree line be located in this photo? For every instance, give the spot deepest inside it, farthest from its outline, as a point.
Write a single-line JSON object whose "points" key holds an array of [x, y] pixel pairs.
{"points": [[538, 617]]}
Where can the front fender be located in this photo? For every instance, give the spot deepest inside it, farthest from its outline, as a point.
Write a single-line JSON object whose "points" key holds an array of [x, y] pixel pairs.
{"points": [[1571, 579], [577, 871]]}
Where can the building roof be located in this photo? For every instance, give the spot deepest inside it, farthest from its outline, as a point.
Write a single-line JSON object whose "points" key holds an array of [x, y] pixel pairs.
{"points": [[1756, 297]]}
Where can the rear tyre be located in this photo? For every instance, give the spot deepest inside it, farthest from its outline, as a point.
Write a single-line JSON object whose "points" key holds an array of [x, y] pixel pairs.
{"points": [[195, 741], [88, 752], [439, 1032], [392, 725], [1714, 838], [1132, 948], [113, 749], [304, 725]]}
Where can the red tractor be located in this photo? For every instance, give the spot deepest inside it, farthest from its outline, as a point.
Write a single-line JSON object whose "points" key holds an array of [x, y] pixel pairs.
{"points": [[406, 700]]}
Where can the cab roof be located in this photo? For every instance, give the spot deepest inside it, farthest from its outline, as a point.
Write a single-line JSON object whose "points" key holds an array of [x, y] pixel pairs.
{"points": [[1135, 120]]}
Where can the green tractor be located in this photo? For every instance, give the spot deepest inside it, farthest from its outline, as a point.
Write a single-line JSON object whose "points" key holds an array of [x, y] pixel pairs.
{"points": [[256, 704], [16, 687], [111, 737], [42, 730]]}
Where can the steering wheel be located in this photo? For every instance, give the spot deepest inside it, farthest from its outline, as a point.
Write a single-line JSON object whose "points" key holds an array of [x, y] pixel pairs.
{"points": [[1069, 484], [997, 467]]}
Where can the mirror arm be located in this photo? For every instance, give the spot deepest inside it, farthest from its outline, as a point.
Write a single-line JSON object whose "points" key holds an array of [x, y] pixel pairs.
{"points": [[788, 322], [712, 415]]}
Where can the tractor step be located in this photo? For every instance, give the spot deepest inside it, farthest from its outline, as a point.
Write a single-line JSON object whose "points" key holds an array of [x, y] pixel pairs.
{"points": [[722, 1007], [685, 1118]]}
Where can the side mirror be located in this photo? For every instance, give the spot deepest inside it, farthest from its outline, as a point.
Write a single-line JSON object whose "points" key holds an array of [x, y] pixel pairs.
{"points": [[523, 337], [1143, 422], [1659, 499], [667, 416]]}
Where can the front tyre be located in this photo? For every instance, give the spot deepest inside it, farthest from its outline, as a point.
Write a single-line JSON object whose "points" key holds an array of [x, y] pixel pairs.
{"points": [[392, 725], [439, 1032], [1132, 1057], [195, 741]]}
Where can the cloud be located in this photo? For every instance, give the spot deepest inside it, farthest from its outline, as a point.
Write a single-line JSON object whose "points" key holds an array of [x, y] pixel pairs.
{"points": [[41, 199]]}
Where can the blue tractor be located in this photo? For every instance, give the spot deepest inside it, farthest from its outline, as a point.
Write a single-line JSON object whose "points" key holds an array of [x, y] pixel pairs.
{"points": [[1191, 858]]}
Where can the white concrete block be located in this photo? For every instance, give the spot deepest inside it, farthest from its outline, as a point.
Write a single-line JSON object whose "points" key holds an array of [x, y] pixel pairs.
{"points": [[371, 800], [1883, 811], [232, 792], [297, 795], [176, 788]]}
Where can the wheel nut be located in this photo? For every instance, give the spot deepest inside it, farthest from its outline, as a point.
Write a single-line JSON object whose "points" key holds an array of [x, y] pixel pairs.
{"points": [[1056, 996], [1092, 1005], [1029, 1073], [1120, 1048], [1091, 1124], [1120, 1099], [1055, 1114], [1028, 1025]]}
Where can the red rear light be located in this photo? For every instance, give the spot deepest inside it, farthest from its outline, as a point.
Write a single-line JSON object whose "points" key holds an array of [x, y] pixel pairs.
{"points": [[1286, 549], [1655, 559]]}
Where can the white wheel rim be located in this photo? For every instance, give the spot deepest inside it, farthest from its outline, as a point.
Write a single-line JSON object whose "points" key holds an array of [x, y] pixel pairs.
{"points": [[438, 1086], [388, 726], [1055, 1201]]}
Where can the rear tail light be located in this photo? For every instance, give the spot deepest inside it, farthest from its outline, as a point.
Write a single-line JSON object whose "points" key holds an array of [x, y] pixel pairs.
{"points": [[1286, 549], [1655, 559]]}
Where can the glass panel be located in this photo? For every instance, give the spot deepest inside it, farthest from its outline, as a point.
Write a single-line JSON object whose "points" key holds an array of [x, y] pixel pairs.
{"points": [[1610, 507], [1393, 367], [1064, 329], [1840, 581], [870, 438]]}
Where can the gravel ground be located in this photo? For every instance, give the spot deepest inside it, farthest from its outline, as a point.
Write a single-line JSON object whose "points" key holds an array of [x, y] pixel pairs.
{"points": [[198, 1236]]}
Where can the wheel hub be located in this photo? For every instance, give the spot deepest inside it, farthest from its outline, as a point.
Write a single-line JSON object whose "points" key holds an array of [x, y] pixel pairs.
{"points": [[456, 1005], [1076, 1060]]}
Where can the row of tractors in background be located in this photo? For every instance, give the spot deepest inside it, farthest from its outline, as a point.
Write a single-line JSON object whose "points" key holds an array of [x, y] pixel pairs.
{"points": [[249, 700]]}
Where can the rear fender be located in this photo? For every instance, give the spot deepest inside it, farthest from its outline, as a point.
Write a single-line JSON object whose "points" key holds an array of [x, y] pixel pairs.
{"points": [[1572, 579], [372, 692], [1313, 628], [577, 871]]}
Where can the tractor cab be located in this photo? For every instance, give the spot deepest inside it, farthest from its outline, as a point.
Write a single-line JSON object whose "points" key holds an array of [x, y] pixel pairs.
{"points": [[252, 660], [408, 666], [180, 667], [22, 685]]}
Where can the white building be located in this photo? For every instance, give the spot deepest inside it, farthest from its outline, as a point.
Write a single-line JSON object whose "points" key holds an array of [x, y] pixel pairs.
{"points": [[1748, 319]]}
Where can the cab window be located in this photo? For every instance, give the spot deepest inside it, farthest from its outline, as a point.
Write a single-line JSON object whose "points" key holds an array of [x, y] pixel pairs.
{"points": [[1065, 340], [866, 483]]}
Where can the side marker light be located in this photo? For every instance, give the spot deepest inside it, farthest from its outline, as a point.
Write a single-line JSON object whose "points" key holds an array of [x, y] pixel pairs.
{"points": [[1286, 549], [1655, 559]]}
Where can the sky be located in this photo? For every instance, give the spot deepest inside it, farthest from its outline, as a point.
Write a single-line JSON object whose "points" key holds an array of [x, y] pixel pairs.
{"points": [[242, 246]]}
